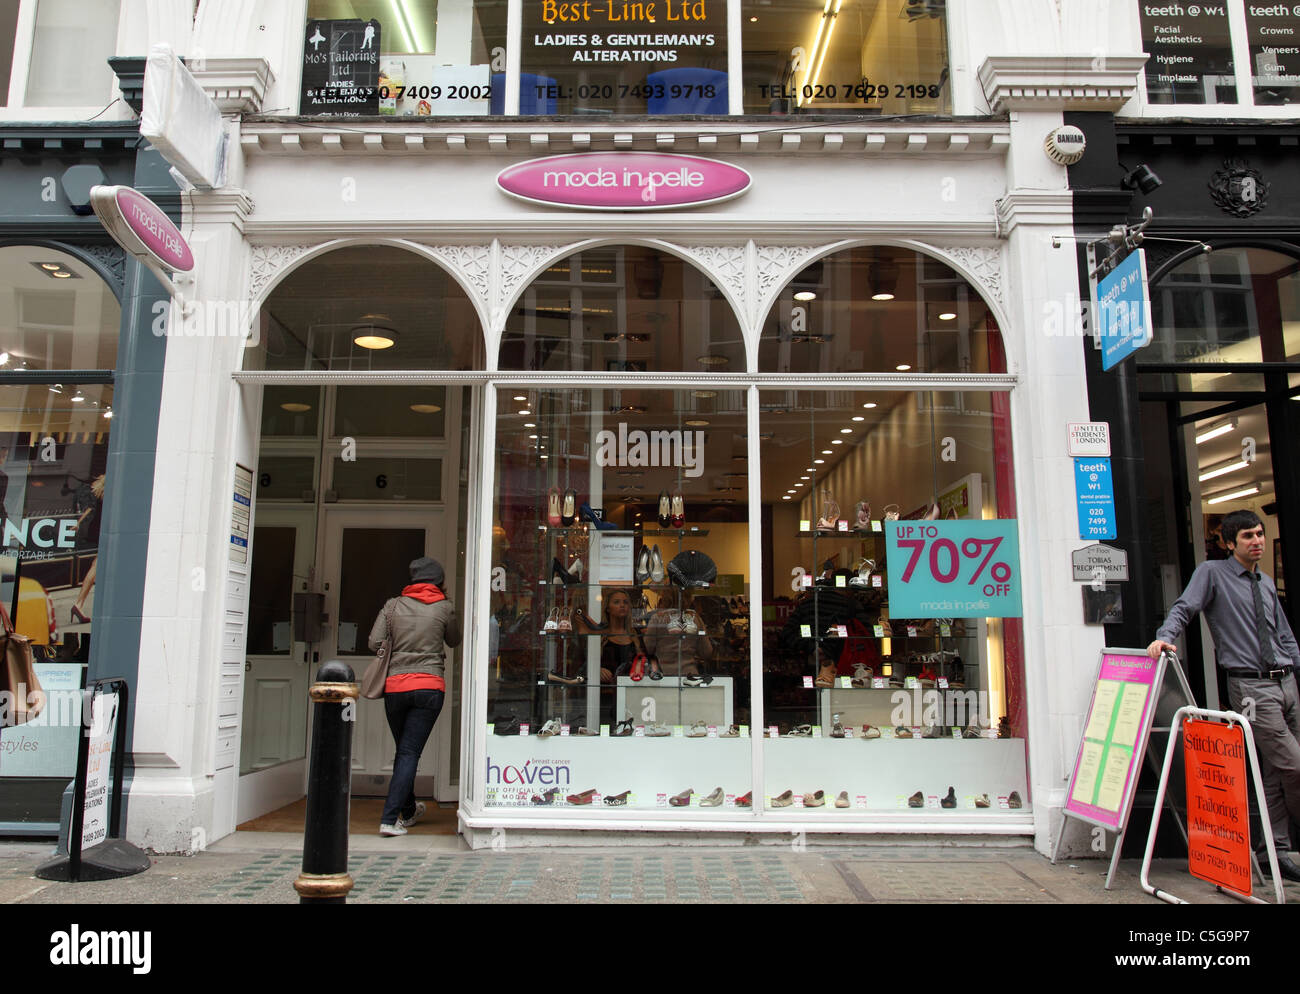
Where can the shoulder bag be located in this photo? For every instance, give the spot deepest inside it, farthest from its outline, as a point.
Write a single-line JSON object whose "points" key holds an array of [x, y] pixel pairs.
{"points": [[372, 684]]}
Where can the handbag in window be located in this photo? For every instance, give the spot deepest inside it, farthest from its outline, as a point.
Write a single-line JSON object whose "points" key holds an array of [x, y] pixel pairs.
{"points": [[18, 675]]}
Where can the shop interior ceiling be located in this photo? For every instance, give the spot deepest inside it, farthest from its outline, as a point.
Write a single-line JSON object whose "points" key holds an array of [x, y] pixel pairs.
{"points": [[1227, 449]]}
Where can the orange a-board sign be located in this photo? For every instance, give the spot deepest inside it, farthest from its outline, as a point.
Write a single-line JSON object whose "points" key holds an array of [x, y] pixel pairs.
{"points": [[1218, 818]]}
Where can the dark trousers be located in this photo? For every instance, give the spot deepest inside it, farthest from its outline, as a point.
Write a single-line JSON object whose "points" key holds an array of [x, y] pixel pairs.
{"points": [[411, 715]]}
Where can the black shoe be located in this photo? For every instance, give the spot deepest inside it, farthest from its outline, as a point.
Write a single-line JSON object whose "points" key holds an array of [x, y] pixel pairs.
{"points": [[1285, 867], [949, 800]]}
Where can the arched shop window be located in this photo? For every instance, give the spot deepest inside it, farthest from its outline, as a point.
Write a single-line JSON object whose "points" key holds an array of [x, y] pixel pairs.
{"points": [[623, 309], [880, 309], [57, 316]]}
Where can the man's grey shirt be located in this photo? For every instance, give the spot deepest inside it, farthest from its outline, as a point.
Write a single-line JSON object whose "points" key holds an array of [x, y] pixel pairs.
{"points": [[1221, 589]]}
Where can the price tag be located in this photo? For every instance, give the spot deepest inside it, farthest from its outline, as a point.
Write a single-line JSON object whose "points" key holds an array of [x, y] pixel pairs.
{"points": [[841, 580], [878, 631], [638, 732], [943, 683], [744, 731], [945, 631], [887, 733], [875, 580], [911, 682], [604, 731], [713, 732], [564, 731], [817, 731], [846, 683], [875, 525], [806, 579], [878, 683], [807, 683], [911, 631], [679, 731], [956, 733], [861, 800], [843, 524], [661, 800], [805, 631], [848, 733], [523, 728], [773, 732], [932, 801], [805, 525], [841, 631]]}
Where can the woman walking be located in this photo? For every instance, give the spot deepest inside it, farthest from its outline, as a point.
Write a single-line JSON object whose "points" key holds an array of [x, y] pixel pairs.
{"points": [[424, 625]]}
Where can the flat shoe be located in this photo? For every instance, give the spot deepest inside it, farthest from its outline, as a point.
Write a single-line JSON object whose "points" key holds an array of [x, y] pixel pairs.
{"points": [[982, 801], [783, 800], [814, 800], [842, 799], [713, 800], [615, 800], [870, 732], [799, 732], [681, 800], [917, 800], [657, 729], [745, 800], [698, 730], [1013, 799], [583, 798], [902, 732]]}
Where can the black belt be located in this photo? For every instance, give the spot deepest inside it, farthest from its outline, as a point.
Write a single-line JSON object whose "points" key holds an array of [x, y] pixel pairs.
{"points": [[1278, 674]]}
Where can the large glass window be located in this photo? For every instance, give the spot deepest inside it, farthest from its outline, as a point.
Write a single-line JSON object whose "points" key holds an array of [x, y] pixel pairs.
{"points": [[405, 58], [620, 601], [870, 704]]}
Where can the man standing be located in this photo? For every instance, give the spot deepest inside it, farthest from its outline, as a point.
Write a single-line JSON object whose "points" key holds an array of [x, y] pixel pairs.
{"points": [[1254, 645]]}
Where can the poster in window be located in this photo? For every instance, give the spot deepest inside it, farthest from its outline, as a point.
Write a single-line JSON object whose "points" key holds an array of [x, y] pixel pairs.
{"points": [[1273, 33], [1191, 54], [340, 68]]}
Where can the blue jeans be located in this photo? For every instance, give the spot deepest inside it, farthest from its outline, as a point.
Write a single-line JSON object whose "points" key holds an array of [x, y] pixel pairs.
{"points": [[411, 715]]}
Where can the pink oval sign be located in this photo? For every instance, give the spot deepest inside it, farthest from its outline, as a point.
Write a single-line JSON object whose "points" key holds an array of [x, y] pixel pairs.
{"points": [[154, 229], [623, 181]]}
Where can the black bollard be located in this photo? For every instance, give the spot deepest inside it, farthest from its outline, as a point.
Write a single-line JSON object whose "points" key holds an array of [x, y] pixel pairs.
{"points": [[324, 878]]}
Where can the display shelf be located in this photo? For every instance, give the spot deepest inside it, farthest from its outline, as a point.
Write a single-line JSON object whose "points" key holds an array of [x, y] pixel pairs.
{"points": [[679, 532], [849, 533]]}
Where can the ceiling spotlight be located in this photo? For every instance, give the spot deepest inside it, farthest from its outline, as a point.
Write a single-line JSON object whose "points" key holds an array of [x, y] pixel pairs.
{"points": [[1234, 495], [868, 406], [753, 19], [375, 332], [294, 407], [785, 496], [792, 491], [520, 397], [56, 388], [947, 316], [805, 295], [78, 397], [697, 423], [1143, 178], [837, 441], [819, 462], [858, 417], [902, 367], [51, 267], [846, 431], [533, 437], [826, 452], [712, 360], [543, 456], [525, 412], [109, 413], [1216, 431], [426, 408], [805, 478], [882, 296], [530, 424], [62, 274]]}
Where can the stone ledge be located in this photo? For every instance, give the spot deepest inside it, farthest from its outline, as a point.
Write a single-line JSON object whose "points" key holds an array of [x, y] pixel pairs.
{"points": [[1068, 82]]}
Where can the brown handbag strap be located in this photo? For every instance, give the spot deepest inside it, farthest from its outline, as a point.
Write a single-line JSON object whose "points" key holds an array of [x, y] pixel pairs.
{"points": [[8, 625]]}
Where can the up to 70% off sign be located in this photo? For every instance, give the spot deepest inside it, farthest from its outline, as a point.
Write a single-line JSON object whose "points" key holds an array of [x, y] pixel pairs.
{"points": [[953, 569]]}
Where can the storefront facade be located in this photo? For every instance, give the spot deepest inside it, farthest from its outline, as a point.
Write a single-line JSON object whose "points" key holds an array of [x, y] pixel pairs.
{"points": [[854, 340]]}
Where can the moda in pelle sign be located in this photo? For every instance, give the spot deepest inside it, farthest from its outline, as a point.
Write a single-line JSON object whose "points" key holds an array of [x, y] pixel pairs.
{"points": [[623, 181]]}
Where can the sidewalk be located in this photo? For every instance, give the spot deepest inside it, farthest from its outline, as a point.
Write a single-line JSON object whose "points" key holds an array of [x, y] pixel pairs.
{"points": [[259, 868]]}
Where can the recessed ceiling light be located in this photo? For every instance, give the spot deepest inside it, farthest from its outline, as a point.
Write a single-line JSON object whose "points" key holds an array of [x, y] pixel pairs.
{"points": [[426, 408], [534, 437], [868, 406], [51, 266], [792, 491], [712, 360], [543, 456], [805, 478], [858, 417], [805, 295], [753, 19], [525, 412], [902, 367], [62, 275], [837, 441], [520, 397], [882, 296], [78, 397], [826, 452], [808, 469], [373, 340], [530, 424], [947, 316], [697, 423], [785, 496], [109, 413], [818, 462], [846, 431], [704, 394], [294, 407]]}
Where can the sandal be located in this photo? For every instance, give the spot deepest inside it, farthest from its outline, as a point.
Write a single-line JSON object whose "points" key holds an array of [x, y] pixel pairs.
{"points": [[830, 514], [865, 568], [862, 674], [837, 730], [902, 732], [657, 729], [732, 732], [799, 732], [891, 515], [698, 730], [862, 516], [552, 622], [623, 728], [870, 732], [675, 626], [552, 727]]}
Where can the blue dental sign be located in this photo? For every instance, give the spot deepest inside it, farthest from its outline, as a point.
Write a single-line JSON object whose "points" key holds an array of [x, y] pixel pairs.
{"points": [[1124, 310], [1095, 488], [953, 569]]}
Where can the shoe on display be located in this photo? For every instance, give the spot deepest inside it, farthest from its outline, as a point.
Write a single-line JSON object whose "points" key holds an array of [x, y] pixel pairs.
{"points": [[862, 578], [917, 800], [799, 732], [891, 512], [902, 732], [553, 507], [637, 671], [982, 801], [679, 511], [555, 676], [617, 800], [949, 800], [675, 623], [552, 727], [862, 516], [691, 624], [870, 732], [842, 799], [745, 800], [552, 622], [1013, 799], [783, 800], [972, 731], [584, 798], [825, 676], [682, 800], [665, 509], [548, 797], [698, 730], [569, 508], [1004, 728], [693, 680], [396, 829], [643, 565], [934, 732], [587, 514], [732, 732], [657, 573], [506, 726], [814, 800], [657, 729], [933, 513], [623, 728], [830, 513], [565, 625], [653, 668], [713, 800], [568, 576], [837, 730]]}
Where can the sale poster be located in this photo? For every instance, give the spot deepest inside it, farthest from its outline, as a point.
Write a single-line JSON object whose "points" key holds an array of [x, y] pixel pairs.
{"points": [[953, 569]]}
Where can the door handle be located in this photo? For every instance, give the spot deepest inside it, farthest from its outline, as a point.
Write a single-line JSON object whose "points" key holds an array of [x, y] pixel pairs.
{"points": [[248, 666]]}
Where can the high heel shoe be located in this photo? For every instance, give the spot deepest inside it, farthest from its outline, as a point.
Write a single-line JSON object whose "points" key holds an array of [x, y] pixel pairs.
{"points": [[552, 622], [656, 566], [569, 509], [862, 516], [865, 568], [78, 617], [643, 565], [830, 514], [553, 507], [665, 509], [565, 576], [933, 513], [623, 728], [563, 624], [679, 511], [891, 515], [587, 514]]}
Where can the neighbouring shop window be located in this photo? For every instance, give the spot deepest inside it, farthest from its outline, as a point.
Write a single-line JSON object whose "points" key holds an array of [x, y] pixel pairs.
{"points": [[624, 57], [845, 56], [405, 58], [1190, 52], [70, 50], [620, 601], [880, 309], [1237, 305], [625, 309], [845, 655], [1273, 34]]}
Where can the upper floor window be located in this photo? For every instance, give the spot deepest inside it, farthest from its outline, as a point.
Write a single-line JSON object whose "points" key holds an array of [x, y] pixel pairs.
{"points": [[1231, 52], [54, 53]]}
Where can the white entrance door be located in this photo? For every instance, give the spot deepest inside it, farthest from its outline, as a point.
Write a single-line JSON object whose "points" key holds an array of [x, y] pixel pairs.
{"points": [[277, 667], [366, 556]]}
